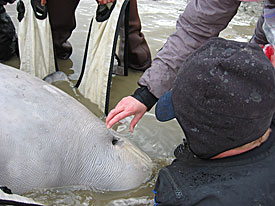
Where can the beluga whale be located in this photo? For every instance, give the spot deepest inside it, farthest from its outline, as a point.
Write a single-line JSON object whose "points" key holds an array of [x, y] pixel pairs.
{"points": [[49, 139]]}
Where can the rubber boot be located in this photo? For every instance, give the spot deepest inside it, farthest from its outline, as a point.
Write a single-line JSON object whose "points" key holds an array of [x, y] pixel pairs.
{"points": [[139, 52], [62, 20]]}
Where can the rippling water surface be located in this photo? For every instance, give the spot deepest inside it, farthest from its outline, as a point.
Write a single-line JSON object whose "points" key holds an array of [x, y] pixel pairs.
{"points": [[156, 139]]}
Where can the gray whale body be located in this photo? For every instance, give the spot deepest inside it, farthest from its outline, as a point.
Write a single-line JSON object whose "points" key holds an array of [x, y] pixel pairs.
{"points": [[49, 139]]}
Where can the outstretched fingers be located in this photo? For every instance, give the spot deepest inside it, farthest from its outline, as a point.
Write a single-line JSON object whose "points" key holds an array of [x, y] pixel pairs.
{"points": [[126, 107], [135, 121], [112, 114], [115, 116]]}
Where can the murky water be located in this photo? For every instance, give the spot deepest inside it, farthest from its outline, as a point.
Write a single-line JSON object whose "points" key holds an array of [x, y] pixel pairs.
{"points": [[157, 139]]}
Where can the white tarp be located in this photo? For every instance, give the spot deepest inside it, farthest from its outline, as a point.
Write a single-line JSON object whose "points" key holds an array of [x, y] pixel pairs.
{"points": [[95, 79], [35, 44]]}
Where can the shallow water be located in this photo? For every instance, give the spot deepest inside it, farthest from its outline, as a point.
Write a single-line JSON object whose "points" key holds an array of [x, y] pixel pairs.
{"points": [[157, 139]]}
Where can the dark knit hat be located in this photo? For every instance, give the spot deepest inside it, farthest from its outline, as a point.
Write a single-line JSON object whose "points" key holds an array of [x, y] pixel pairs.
{"points": [[223, 96]]}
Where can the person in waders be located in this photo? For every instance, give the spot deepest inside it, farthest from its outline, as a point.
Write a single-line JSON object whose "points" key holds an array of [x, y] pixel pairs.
{"points": [[224, 100], [201, 20], [8, 37], [62, 19]]}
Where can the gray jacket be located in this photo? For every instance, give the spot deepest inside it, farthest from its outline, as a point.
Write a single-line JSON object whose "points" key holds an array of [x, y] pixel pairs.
{"points": [[200, 20]]}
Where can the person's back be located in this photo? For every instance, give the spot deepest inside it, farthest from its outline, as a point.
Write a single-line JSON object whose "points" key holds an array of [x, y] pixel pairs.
{"points": [[246, 179], [224, 100]]}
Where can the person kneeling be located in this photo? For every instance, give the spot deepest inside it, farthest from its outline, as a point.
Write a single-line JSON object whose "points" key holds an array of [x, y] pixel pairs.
{"points": [[224, 100]]}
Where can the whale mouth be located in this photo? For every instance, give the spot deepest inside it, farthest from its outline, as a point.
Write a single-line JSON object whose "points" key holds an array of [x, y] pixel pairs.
{"points": [[137, 152]]}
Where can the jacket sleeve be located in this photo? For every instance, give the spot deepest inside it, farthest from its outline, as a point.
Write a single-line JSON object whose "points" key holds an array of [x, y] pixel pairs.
{"points": [[200, 20], [259, 34]]}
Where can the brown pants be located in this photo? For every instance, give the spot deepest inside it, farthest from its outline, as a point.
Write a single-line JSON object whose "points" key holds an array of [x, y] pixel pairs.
{"points": [[62, 19], [139, 52]]}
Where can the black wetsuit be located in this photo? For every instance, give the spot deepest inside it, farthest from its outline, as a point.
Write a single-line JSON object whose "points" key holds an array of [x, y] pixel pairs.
{"points": [[243, 180]]}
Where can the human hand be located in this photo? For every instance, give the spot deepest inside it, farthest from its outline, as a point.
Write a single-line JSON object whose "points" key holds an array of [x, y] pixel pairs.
{"points": [[126, 107], [105, 1], [43, 2]]}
